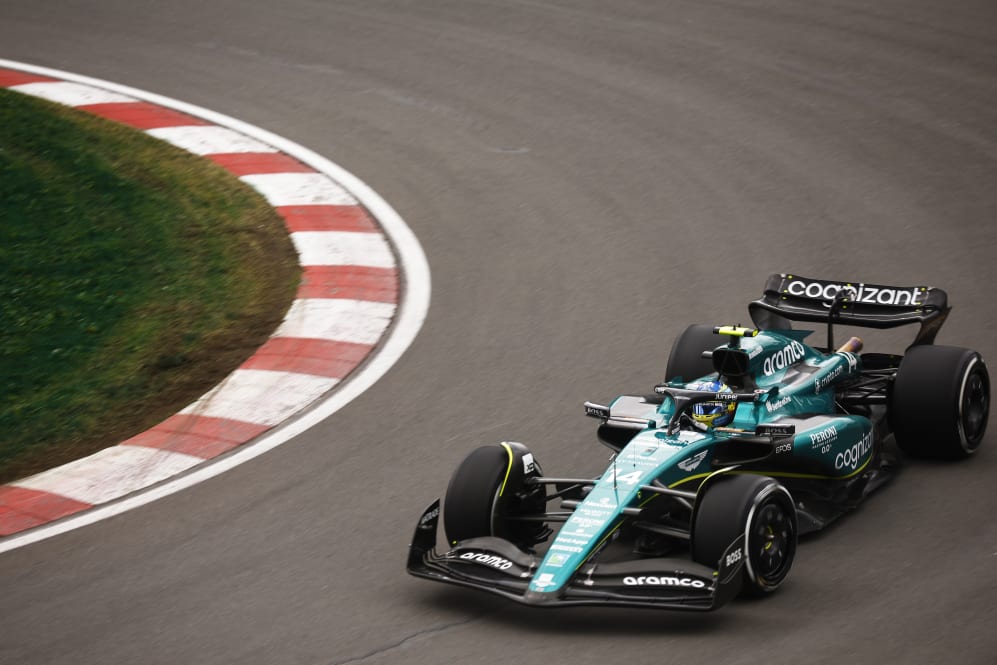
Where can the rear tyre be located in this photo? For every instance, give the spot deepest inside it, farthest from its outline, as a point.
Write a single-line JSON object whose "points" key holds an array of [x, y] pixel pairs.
{"points": [[762, 510], [940, 402], [489, 490], [686, 359]]}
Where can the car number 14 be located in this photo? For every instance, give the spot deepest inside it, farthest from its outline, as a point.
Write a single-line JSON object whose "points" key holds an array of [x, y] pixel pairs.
{"points": [[629, 479]]}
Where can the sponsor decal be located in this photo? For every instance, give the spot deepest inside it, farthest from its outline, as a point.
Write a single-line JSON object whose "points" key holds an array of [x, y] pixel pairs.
{"points": [[783, 358], [654, 580], [596, 411], [693, 462], [528, 465], [822, 382], [582, 526], [784, 448], [492, 560], [557, 547], [778, 404], [822, 437], [863, 293], [852, 456], [585, 522], [544, 580], [573, 541], [429, 517], [755, 352], [733, 557], [556, 560], [775, 430], [595, 514]]}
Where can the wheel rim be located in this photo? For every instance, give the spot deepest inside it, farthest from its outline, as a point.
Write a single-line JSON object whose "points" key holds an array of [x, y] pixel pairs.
{"points": [[974, 409], [771, 542]]}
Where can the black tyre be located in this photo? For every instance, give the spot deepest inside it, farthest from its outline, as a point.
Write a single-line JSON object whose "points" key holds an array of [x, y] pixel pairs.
{"points": [[762, 510], [488, 491], [686, 359], [940, 402]]}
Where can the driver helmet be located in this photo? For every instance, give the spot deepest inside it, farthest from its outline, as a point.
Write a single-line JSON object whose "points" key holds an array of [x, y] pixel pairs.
{"points": [[713, 414]]}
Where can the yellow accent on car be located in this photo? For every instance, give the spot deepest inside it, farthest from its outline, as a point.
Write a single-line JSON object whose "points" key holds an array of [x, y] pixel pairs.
{"points": [[779, 474], [599, 544], [508, 469], [736, 331]]}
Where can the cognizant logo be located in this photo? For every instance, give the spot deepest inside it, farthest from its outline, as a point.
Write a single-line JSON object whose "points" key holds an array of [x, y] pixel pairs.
{"points": [[863, 293], [852, 456]]}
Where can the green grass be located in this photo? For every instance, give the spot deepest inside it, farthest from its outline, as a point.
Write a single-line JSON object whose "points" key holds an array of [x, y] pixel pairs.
{"points": [[133, 276]]}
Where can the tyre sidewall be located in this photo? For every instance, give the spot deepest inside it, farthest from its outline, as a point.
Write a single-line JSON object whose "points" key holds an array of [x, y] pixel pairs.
{"points": [[926, 404], [726, 509], [485, 489]]}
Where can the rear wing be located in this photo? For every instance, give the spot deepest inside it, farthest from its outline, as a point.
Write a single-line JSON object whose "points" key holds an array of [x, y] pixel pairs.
{"points": [[794, 298]]}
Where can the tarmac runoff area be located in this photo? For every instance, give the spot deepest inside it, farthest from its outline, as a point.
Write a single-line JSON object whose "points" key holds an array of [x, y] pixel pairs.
{"points": [[355, 252]]}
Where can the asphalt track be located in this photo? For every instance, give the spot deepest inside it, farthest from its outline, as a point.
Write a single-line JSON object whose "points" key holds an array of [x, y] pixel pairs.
{"points": [[586, 179]]}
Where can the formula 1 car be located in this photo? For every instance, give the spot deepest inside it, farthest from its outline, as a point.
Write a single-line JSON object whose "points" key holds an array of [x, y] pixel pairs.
{"points": [[753, 439]]}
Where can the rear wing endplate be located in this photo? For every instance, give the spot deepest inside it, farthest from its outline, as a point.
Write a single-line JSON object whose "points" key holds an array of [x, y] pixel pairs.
{"points": [[794, 298]]}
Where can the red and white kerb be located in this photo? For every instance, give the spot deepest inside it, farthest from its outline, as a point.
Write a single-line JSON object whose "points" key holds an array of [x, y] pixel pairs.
{"points": [[345, 304]]}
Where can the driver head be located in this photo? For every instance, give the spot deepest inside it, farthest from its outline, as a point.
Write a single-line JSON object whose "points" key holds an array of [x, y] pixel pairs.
{"points": [[713, 414]]}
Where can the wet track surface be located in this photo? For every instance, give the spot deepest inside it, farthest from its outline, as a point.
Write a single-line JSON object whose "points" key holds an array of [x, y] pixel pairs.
{"points": [[586, 179]]}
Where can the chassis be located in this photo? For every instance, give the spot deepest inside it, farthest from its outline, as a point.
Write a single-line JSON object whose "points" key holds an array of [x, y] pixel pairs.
{"points": [[688, 515]]}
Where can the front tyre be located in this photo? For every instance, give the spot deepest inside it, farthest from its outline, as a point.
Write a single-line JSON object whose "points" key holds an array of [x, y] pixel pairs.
{"points": [[762, 510], [489, 494], [940, 402]]}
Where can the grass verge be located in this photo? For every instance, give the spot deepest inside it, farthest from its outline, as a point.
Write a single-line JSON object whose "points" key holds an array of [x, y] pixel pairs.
{"points": [[133, 277]]}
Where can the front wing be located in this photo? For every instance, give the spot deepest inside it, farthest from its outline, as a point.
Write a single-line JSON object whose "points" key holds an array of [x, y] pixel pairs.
{"points": [[497, 566]]}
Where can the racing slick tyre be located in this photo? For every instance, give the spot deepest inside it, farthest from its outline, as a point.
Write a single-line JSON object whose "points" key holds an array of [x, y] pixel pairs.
{"points": [[940, 402], [762, 510], [686, 359], [488, 491]]}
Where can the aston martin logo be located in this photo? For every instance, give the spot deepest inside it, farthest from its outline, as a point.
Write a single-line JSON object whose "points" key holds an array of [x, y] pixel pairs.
{"points": [[693, 462]]}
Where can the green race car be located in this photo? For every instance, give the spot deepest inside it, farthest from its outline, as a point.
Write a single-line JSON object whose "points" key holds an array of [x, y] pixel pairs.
{"points": [[754, 438]]}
